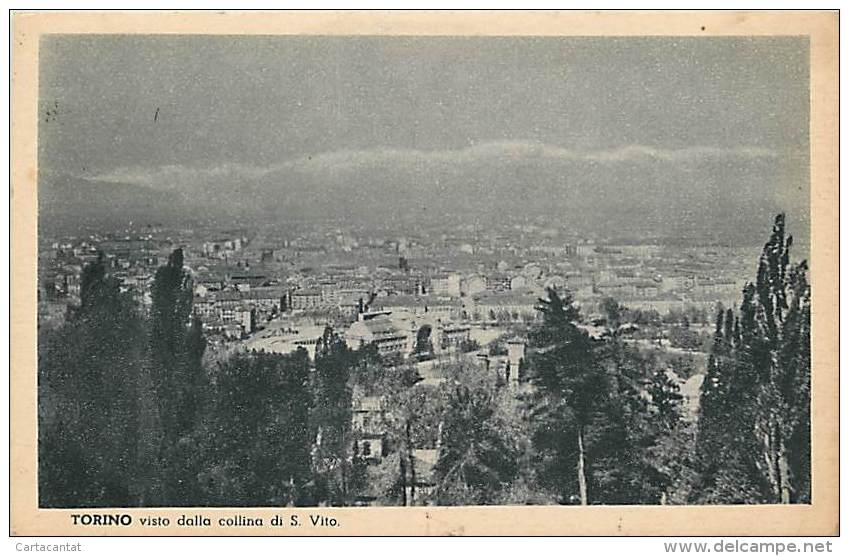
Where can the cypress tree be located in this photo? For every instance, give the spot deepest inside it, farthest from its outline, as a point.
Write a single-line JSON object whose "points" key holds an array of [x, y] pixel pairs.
{"points": [[176, 352], [754, 420], [781, 344], [331, 414], [725, 440]]}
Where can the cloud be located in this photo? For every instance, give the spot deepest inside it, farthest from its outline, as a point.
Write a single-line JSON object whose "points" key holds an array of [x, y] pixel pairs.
{"points": [[524, 150], [176, 174], [353, 160]]}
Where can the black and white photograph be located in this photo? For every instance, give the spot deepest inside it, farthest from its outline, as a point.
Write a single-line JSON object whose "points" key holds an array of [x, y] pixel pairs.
{"points": [[329, 271]]}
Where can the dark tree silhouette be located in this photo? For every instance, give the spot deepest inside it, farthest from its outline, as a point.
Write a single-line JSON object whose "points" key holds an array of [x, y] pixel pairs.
{"points": [[754, 425]]}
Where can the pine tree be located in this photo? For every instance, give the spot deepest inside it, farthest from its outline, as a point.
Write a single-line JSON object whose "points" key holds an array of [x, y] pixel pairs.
{"points": [[570, 388], [666, 453], [635, 433]]}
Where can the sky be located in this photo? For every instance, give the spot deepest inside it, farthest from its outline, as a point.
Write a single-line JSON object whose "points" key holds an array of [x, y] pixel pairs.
{"points": [[152, 102], [175, 112]]}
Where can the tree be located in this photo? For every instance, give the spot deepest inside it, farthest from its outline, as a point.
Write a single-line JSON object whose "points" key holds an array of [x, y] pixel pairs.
{"points": [[424, 345], [602, 409], [685, 338], [253, 448], [725, 444], [176, 354], [634, 428], [613, 311], [754, 421], [778, 343], [470, 345], [570, 388], [477, 459], [331, 417], [668, 446], [89, 373]]}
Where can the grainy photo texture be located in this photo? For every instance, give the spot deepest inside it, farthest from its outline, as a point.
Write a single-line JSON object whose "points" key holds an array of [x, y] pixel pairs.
{"points": [[407, 271]]}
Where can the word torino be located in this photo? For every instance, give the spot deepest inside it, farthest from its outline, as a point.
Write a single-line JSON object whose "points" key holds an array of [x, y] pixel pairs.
{"points": [[102, 520], [125, 520]]}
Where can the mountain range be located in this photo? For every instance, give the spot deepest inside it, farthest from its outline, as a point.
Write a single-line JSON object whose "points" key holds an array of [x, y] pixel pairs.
{"points": [[693, 192]]}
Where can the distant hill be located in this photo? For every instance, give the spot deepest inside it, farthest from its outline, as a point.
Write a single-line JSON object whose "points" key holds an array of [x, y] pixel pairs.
{"points": [[67, 203], [726, 200]]}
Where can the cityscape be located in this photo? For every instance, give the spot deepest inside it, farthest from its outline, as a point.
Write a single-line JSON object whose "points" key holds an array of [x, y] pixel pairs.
{"points": [[246, 282], [424, 312]]}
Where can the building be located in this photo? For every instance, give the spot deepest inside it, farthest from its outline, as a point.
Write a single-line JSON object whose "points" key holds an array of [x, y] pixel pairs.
{"points": [[247, 308], [247, 280], [519, 282], [381, 331], [404, 284], [677, 282], [647, 289], [618, 289], [369, 426], [508, 368], [472, 284], [642, 251], [203, 286], [221, 247], [662, 303], [266, 299], [498, 282], [67, 282], [445, 285], [503, 305], [515, 361], [716, 286], [445, 307], [585, 249], [449, 335], [305, 300], [287, 338]]}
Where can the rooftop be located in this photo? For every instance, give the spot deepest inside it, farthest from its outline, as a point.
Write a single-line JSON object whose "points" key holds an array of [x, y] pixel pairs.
{"points": [[415, 301]]}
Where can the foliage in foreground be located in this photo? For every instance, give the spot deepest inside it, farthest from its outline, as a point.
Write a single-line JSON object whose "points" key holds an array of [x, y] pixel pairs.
{"points": [[130, 416]]}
